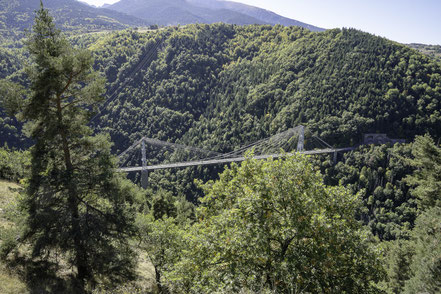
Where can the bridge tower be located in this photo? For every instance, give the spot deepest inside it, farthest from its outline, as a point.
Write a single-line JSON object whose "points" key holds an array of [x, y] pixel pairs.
{"points": [[301, 143], [144, 171]]}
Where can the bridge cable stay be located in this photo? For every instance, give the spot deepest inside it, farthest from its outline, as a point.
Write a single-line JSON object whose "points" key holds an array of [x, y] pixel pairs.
{"points": [[273, 142], [257, 145], [168, 145], [276, 142], [178, 146], [134, 145], [322, 141]]}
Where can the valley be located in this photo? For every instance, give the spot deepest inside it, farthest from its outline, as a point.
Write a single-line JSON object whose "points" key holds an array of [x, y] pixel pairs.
{"points": [[233, 91]]}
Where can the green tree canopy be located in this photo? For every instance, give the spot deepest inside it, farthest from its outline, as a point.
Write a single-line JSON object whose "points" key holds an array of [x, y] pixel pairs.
{"points": [[75, 202], [274, 225], [425, 267], [427, 178]]}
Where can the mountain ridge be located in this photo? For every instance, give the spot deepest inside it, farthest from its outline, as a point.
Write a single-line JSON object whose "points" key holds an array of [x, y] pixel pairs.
{"points": [[172, 12], [69, 15], [256, 12]]}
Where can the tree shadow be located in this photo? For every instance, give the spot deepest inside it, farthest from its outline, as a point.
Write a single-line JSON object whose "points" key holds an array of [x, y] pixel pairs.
{"points": [[41, 276]]}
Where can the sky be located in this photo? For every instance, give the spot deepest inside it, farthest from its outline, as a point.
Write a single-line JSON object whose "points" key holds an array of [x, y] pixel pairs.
{"points": [[404, 21]]}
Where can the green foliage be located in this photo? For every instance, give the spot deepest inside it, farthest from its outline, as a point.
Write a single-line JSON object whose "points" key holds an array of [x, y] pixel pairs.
{"points": [[433, 51], [414, 265], [399, 254], [222, 86], [162, 240], [160, 231], [274, 225], [75, 204], [378, 174], [11, 68], [14, 165], [427, 177], [426, 262]]}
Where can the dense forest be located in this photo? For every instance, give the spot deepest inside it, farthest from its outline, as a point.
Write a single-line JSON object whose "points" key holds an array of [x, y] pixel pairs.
{"points": [[222, 86]]}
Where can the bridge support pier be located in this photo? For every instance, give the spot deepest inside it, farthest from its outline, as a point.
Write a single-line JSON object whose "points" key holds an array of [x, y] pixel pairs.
{"points": [[335, 158], [301, 142], [144, 179]]}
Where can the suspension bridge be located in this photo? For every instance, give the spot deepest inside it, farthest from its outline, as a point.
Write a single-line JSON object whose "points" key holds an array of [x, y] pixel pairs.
{"points": [[262, 149], [291, 140]]}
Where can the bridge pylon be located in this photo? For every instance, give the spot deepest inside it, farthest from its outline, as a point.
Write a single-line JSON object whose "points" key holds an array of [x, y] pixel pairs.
{"points": [[301, 142]]}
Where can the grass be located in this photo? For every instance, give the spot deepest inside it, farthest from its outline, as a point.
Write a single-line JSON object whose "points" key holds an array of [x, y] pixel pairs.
{"points": [[10, 281]]}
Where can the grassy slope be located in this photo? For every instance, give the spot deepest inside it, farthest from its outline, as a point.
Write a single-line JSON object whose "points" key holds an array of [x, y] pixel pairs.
{"points": [[9, 281]]}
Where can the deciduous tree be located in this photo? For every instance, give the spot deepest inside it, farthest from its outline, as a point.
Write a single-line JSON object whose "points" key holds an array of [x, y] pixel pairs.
{"points": [[274, 225]]}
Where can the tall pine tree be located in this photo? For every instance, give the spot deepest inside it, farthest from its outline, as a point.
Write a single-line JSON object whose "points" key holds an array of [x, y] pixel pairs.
{"points": [[75, 202]]}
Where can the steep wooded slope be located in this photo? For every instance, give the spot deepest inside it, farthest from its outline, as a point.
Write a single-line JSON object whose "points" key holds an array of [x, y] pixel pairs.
{"points": [[220, 86]]}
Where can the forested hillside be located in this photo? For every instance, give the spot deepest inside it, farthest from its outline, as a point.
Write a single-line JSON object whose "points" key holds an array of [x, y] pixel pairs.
{"points": [[220, 86], [363, 221], [70, 15]]}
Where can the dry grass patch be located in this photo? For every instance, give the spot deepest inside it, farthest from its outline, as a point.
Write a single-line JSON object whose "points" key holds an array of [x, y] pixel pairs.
{"points": [[10, 282]]}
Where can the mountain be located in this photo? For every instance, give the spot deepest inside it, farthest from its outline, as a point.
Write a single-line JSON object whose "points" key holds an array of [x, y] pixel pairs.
{"points": [[172, 12], [222, 86], [17, 15], [255, 12], [433, 51]]}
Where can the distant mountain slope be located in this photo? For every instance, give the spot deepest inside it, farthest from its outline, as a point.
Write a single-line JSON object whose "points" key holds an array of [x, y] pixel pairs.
{"points": [[17, 15], [433, 51], [172, 12], [258, 13]]}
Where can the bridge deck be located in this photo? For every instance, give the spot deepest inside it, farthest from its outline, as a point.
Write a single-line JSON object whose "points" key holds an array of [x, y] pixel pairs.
{"points": [[226, 160]]}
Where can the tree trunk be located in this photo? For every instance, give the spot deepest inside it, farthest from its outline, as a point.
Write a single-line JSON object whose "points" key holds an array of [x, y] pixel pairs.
{"points": [[80, 252], [158, 281]]}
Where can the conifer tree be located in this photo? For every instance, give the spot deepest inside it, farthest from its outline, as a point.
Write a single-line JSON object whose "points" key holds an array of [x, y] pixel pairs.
{"points": [[426, 180], [75, 202]]}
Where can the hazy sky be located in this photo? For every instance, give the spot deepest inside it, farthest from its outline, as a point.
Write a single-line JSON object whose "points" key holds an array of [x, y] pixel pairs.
{"points": [[405, 21]]}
